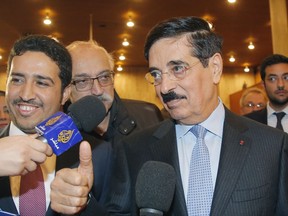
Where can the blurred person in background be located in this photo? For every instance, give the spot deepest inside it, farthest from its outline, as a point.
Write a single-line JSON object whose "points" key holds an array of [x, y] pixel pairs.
{"points": [[252, 99]]}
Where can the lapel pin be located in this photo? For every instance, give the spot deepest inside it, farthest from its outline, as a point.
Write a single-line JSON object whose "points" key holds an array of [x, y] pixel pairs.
{"points": [[241, 142]]}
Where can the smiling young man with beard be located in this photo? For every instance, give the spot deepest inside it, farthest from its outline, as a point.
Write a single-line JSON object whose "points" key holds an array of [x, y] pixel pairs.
{"points": [[274, 75]]}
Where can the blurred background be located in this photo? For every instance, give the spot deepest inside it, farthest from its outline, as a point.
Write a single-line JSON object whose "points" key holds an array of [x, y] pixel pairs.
{"points": [[251, 29]]}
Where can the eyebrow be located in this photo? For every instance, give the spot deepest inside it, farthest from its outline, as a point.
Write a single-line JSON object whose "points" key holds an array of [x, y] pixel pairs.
{"points": [[88, 75], [41, 77]]}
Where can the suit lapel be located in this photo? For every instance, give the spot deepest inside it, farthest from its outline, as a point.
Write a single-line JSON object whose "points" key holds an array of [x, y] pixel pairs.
{"points": [[6, 201], [165, 150], [235, 148]]}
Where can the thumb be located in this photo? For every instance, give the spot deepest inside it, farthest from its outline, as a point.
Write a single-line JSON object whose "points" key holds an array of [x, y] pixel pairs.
{"points": [[85, 167]]}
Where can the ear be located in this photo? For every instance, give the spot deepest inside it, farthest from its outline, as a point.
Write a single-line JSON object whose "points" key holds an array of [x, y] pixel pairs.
{"points": [[216, 64], [66, 94], [263, 84]]}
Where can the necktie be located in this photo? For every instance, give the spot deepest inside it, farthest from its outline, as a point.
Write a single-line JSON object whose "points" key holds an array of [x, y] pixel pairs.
{"points": [[200, 186], [279, 116], [32, 201]]}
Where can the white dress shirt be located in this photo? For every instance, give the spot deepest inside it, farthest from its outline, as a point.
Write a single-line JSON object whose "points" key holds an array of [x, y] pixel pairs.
{"points": [[272, 119], [48, 169], [213, 139]]}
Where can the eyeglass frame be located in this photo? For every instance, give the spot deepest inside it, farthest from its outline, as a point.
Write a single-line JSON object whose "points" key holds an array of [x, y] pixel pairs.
{"points": [[92, 79], [252, 105], [169, 73]]}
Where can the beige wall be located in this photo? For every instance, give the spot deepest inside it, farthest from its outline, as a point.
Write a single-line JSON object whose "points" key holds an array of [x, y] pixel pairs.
{"points": [[2, 80]]}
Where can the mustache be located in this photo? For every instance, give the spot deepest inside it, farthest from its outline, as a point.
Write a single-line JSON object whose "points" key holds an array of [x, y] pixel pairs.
{"points": [[105, 97], [31, 102], [171, 96]]}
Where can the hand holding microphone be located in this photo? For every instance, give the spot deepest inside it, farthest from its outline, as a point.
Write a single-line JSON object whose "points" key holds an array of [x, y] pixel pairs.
{"points": [[61, 131]]}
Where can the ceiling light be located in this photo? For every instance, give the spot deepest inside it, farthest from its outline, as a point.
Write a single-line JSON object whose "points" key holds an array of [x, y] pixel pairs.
{"points": [[0, 57], [130, 23], [122, 57], [210, 24], [231, 1], [125, 42], [251, 46], [246, 69], [119, 68], [47, 20], [232, 59]]}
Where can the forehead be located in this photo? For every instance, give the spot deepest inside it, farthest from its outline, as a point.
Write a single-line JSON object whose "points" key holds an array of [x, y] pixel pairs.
{"points": [[254, 96], [32, 62], [170, 49], [89, 60], [280, 68]]}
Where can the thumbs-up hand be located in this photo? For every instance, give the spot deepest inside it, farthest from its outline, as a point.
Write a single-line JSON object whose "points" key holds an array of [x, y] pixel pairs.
{"points": [[70, 187]]}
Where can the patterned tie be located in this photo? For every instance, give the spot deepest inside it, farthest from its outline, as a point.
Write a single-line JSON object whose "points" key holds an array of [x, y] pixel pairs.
{"points": [[32, 201], [279, 116], [200, 187]]}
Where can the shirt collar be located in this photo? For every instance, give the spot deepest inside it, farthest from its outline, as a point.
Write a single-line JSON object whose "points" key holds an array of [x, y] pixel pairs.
{"points": [[15, 130], [214, 123], [271, 111]]}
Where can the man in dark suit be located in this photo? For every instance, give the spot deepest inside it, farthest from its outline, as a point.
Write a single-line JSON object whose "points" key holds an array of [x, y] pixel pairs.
{"points": [[274, 75], [245, 163], [38, 83]]}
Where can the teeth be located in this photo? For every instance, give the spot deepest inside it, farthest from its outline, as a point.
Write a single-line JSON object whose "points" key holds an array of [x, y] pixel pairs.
{"points": [[27, 108]]}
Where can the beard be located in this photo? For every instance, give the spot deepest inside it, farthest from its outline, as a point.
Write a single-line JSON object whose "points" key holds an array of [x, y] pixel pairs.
{"points": [[277, 102]]}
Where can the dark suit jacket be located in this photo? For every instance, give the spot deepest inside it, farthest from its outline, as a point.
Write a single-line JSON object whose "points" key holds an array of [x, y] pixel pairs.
{"points": [[260, 116], [252, 174], [102, 162]]}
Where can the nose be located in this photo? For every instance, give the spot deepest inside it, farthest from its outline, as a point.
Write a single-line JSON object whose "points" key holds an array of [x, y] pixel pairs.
{"points": [[167, 84], [280, 83], [27, 92], [96, 88]]}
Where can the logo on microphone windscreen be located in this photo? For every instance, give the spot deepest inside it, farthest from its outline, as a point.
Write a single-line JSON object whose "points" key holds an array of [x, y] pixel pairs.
{"points": [[60, 132]]}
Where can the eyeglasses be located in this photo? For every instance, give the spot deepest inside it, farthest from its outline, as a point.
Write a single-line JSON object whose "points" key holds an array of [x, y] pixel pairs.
{"points": [[175, 72], [252, 105], [86, 83]]}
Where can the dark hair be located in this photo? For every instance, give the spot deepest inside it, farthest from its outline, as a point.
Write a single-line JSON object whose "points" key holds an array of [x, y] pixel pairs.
{"points": [[203, 40], [54, 50], [271, 60]]}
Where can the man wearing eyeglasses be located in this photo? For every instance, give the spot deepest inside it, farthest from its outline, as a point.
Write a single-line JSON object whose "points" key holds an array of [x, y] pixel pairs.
{"points": [[224, 164], [252, 99], [274, 75]]}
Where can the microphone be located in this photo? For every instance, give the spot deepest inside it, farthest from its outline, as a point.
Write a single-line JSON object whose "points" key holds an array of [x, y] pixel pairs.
{"points": [[87, 113], [61, 131], [155, 186]]}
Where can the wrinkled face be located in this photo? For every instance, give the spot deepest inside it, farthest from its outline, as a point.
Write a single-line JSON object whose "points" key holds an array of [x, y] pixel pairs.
{"points": [[33, 91], [276, 85], [4, 117], [90, 63], [193, 98], [253, 101]]}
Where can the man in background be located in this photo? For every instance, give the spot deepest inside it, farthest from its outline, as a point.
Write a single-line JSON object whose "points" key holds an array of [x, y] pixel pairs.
{"points": [[93, 74], [274, 75], [252, 99], [38, 84], [4, 116]]}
